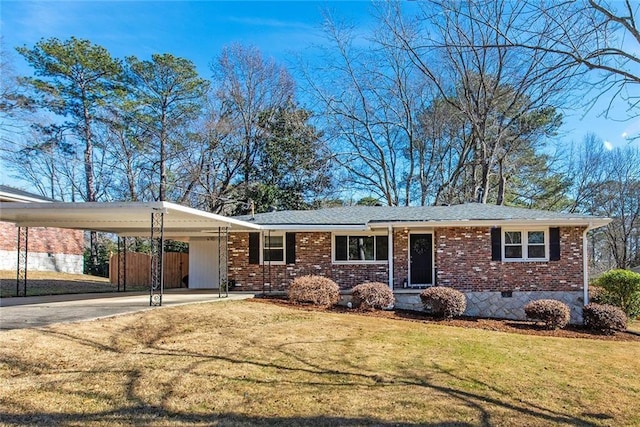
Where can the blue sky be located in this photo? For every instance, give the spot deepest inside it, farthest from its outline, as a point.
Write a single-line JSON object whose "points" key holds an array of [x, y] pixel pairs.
{"points": [[198, 30]]}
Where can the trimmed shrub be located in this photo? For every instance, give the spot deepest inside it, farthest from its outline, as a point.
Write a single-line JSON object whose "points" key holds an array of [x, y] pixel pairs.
{"points": [[553, 313], [622, 289], [372, 296], [604, 317], [596, 294], [443, 302], [316, 290]]}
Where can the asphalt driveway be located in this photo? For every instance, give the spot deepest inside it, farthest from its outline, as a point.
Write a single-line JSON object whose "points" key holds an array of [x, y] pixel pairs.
{"points": [[34, 312]]}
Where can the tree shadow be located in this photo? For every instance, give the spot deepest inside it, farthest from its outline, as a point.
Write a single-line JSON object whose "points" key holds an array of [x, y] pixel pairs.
{"points": [[149, 415], [319, 373]]}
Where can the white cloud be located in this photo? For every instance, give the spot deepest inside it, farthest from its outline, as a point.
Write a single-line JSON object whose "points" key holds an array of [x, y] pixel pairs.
{"points": [[608, 145]]}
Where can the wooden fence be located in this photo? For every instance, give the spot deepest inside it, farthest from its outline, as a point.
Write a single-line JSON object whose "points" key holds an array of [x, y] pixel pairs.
{"points": [[174, 264]]}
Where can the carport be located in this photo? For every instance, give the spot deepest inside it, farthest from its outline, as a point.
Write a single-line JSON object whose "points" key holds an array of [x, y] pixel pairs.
{"points": [[207, 234]]}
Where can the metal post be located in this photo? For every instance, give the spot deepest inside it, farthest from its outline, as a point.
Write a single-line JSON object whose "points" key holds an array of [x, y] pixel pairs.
{"points": [[122, 263], [157, 253], [264, 280], [223, 265], [225, 259], [270, 276], [21, 267]]}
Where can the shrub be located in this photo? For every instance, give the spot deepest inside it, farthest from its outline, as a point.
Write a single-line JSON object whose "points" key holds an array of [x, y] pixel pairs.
{"points": [[443, 302], [371, 296], [622, 289], [315, 290], [553, 313], [596, 294], [604, 317]]}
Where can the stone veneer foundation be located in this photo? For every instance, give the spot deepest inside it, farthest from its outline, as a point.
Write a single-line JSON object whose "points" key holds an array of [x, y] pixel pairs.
{"points": [[495, 305]]}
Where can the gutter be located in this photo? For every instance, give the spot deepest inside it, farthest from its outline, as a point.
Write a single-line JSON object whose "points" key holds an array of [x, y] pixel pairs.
{"points": [[585, 267]]}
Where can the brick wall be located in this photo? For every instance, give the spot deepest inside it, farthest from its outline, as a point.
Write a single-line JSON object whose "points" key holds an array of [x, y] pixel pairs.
{"points": [[41, 239], [463, 261], [52, 249], [313, 256], [400, 257]]}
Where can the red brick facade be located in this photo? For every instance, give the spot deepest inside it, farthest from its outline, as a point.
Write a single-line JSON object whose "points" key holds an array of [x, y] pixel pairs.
{"points": [[43, 240], [463, 261], [313, 256], [462, 257]]}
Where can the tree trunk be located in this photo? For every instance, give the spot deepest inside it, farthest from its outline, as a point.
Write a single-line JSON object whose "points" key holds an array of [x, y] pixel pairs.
{"points": [[91, 190]]}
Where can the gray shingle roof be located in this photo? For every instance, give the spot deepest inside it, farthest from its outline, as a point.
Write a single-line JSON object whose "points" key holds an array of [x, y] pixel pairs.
{"points": [[363, 215]]}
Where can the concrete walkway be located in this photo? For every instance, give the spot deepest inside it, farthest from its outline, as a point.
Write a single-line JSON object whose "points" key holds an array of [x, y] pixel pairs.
{"points": [[34, 312]]}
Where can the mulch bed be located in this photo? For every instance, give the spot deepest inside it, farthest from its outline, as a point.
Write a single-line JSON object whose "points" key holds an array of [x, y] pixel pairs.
{"points": [[500, 325]]}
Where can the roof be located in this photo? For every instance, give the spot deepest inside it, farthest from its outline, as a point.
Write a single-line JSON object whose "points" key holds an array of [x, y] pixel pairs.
{"points": [[433, 216], [123, 218], [10, 194]]}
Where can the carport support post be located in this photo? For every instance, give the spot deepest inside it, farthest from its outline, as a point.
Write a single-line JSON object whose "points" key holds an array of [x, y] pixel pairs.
{"points": [[122, 263], [157, 252], [223, 272], [21, 266]]}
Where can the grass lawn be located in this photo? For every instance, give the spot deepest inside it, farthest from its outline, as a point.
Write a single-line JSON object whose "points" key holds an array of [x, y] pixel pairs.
{"points": [[255, 363], [53, 283]]}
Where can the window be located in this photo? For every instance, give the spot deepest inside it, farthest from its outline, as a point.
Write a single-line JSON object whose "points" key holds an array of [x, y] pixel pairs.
{"points": [[273, 249], [361, 248], [525, 245]]}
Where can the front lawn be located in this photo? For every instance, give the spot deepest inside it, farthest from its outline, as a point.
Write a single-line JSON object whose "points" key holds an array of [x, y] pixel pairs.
{"points": [[252, 363]]}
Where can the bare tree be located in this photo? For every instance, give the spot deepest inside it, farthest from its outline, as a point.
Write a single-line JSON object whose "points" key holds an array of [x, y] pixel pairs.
{"points": [[369, 94], [588, 37], [498, 90], [607, 183], [246, 85]]}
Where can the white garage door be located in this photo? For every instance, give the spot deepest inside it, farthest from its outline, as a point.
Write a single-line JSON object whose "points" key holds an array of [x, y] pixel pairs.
{"points": [[203, 263]]}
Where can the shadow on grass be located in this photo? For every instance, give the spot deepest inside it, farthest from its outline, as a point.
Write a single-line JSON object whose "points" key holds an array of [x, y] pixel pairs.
{"points": [[138, 411], [150, 415]]}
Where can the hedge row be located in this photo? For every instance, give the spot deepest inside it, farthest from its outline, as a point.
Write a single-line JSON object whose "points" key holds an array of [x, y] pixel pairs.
{"points": [[447, 303]]}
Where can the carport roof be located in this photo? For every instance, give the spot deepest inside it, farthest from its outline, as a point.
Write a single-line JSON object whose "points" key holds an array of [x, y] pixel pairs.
{"points": [[123, 218]]}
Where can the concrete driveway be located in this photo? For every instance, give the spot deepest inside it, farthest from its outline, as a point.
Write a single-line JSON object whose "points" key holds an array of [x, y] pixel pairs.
{"points": [[34, 312]]}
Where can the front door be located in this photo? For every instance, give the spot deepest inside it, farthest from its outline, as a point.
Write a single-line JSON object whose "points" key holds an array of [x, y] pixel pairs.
{"points": [[421, 259]]}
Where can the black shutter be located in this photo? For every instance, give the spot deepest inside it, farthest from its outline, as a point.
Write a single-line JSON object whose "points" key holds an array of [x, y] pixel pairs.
{"points": [[254, 248], [554, 244], [291, 248], [341, 248], [496, 244]]}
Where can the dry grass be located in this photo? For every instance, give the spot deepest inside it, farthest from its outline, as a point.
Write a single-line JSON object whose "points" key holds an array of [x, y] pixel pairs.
{"points": [[247, 363], [54, 283]]}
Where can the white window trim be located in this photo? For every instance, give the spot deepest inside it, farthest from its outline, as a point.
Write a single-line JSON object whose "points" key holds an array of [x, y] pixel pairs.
{"points": [[263, 237], [525, 244], [356, 234]]}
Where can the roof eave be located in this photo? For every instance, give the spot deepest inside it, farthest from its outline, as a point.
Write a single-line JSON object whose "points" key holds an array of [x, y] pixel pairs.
{"points": [[590, 223], [314, 227]]}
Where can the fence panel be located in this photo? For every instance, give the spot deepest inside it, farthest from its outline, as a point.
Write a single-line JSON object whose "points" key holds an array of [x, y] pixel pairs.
{"points": [[175, 266]]}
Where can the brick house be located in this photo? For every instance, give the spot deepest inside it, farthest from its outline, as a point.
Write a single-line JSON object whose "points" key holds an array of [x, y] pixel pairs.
{"points": [[500, 257], [49, 249]]}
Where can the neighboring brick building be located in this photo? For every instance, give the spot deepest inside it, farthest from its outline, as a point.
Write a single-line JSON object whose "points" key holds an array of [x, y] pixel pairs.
{"points": [[500, 257], [49, 249]]}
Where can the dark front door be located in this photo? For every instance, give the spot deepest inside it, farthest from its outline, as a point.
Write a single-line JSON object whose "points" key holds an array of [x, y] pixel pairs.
{"points": [[421, 261]]}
